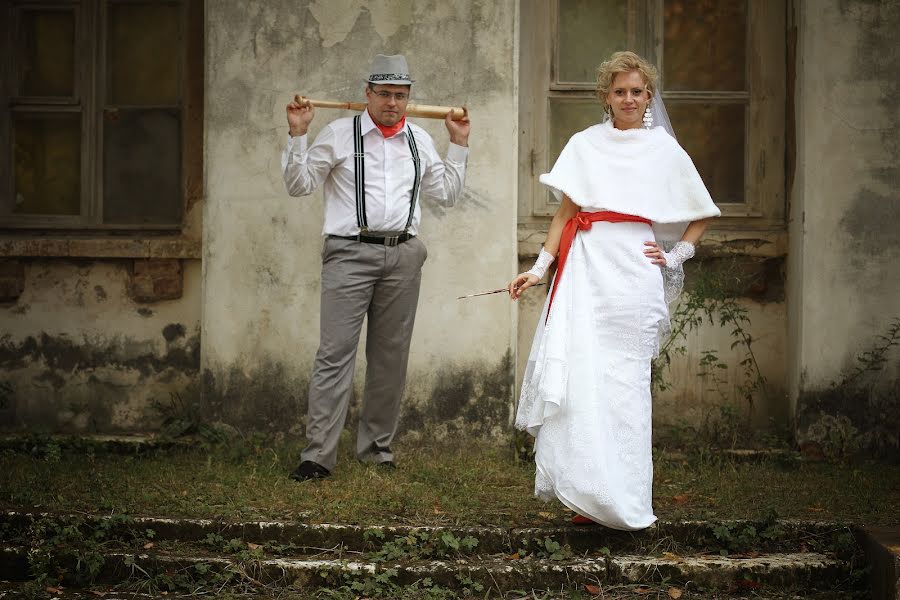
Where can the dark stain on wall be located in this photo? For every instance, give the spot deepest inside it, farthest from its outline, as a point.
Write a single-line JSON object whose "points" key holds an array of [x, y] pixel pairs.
{"points": [[871, 220], [266, 400], [173, 331], [857, 414], [64, 355], [40, 370], [473, 398], [740, 276]]}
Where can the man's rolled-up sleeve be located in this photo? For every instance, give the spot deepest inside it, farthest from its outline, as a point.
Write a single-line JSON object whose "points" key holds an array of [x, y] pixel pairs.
{"points": [[443, 182], [305, 169]]}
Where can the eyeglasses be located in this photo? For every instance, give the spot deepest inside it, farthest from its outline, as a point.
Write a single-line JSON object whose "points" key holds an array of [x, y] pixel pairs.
{"points": [[399, 96]]}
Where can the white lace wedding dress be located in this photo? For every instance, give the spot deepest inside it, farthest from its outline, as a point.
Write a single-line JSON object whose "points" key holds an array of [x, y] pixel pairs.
{"points": [[586, 391]]}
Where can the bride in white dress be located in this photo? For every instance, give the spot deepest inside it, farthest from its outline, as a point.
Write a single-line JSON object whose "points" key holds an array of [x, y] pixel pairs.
{"points": [[627, 191]]}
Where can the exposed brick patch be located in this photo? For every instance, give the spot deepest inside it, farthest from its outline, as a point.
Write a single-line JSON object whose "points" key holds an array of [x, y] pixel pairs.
{"points": [[156, 279]]}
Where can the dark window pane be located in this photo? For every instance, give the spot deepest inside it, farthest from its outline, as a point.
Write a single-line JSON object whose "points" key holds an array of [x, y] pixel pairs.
{"points": [[144, 54], [589, 31], [567, 117], [46, 55], [47, 163], [142, 166], [704, 45], [713, 135]]}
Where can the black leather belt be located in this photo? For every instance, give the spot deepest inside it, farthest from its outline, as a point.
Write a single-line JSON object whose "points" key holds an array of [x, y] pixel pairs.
{"points": [[392, 240]]}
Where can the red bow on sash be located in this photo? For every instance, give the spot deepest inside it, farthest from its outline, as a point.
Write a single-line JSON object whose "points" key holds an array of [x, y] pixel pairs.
{"points": [[584, 220]]}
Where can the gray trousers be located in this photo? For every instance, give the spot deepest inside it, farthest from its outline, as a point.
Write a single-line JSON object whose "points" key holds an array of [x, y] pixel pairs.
{"points": [[381, 283]]}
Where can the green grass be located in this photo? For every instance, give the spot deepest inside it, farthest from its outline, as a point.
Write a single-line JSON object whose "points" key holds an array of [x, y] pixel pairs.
{"points": [[449, 483]]}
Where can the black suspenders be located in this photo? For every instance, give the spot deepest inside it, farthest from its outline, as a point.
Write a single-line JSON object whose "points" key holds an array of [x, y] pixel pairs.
{"points": [[359, 156]]}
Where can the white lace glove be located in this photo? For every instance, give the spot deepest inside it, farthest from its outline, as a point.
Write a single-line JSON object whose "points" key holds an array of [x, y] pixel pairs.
{"points": [[544, 260], [679, 253]]}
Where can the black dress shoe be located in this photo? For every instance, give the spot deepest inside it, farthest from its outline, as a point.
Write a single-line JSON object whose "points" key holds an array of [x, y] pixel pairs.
{"points": [[309, 470]]}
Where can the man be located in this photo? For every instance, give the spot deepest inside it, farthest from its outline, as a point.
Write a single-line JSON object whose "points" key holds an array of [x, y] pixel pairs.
{"points": [[375, 167]]}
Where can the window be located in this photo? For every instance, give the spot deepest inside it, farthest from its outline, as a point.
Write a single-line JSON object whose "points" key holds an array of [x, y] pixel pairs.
{"points": [[102, 102], [722, 72]]}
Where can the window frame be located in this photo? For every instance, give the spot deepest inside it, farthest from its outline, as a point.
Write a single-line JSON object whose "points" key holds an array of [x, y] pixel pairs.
{"points": [[91, 78], [764, 154]]}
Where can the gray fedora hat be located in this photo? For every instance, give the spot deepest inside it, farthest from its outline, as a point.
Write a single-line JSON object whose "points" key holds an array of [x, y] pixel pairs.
{"points": [[391, 70]]}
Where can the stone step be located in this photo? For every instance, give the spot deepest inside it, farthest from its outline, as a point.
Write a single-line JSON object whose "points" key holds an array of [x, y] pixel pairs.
{"points": [[782, 571], [679, 536], [18, 591]]}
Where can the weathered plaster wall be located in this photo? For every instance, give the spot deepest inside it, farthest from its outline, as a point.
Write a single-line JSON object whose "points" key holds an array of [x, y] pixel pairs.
{"points": [[262, 248], [78, 354], [845, 239]]}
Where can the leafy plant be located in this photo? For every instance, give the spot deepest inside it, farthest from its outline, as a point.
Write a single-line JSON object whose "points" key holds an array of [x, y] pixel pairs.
{"points": [[420, 545], [546, 548]]}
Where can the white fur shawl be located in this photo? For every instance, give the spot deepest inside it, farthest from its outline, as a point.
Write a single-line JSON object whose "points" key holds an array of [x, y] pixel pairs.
{"points": [[641, 172]]}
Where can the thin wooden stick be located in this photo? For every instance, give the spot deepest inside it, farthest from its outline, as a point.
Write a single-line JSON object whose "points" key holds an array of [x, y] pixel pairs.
{"points": [[492, 292], [414, 110]]}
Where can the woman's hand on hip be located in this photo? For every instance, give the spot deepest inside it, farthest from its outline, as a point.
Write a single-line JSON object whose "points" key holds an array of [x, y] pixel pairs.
{"points": [[654, 253], [521, 283]]}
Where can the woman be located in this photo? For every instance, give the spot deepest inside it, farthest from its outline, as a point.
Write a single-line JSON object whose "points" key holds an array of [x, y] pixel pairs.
{"points": [[624, 187]]}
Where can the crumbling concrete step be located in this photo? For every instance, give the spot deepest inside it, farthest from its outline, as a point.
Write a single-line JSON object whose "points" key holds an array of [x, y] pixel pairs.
{"points": [[806, 571], [882, 547], [783, 535], [112, 444], [16, 591]]}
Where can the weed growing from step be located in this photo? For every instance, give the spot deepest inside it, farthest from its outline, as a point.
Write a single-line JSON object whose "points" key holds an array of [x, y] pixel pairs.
{"points": [[547, 549], [72, 549], [196, 578], [383, 585], [419, 545]]}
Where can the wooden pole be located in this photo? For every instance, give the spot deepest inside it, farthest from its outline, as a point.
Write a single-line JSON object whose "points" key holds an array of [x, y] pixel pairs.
{"points": [[413, 110]]}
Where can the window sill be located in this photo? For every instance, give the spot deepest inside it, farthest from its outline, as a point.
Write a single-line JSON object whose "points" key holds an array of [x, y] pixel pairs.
{"points": [[94, 247]]}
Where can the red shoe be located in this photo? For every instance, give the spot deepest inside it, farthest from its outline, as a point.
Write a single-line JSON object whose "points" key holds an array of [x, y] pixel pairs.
{"points": [[580, 520]]}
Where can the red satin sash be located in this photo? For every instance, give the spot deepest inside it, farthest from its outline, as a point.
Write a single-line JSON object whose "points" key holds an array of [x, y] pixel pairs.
{"points": [[584, 220]]}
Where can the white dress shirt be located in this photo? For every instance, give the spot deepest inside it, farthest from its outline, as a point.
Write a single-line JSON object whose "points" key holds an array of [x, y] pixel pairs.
{"points": [[389, 175]]}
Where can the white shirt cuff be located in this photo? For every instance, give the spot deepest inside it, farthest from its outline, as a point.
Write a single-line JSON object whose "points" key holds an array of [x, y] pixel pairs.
{"points": [[457, 154], [297, 145]]}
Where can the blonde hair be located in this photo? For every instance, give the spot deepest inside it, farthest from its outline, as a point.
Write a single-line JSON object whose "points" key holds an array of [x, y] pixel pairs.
{"points": [[624, 62]]}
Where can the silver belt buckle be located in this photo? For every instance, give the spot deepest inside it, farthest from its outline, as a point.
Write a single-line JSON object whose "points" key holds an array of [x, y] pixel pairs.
{"points": [[392, 240]]}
